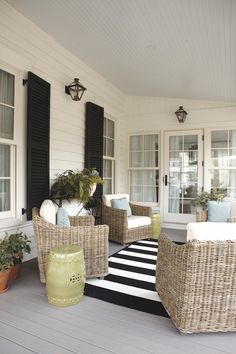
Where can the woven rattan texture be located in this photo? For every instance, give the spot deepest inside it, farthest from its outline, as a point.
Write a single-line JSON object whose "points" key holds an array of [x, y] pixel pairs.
{"points": [[118, 223], [92, 239], [197, 284]]}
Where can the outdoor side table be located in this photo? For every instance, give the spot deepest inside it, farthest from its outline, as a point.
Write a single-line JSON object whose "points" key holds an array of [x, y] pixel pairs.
{"points": [[156, 225], [65, 275]]}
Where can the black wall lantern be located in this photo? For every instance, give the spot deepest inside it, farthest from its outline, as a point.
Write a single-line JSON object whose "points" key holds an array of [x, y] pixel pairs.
{"points": [[181, 114], [75, 90]]}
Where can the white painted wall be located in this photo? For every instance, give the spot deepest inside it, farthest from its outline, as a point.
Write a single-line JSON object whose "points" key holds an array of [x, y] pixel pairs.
{"points": [[24, 47]]}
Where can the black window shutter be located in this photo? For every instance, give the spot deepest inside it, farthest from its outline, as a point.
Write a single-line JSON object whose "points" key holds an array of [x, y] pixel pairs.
{"points": [[38, 130], [94, 140]]}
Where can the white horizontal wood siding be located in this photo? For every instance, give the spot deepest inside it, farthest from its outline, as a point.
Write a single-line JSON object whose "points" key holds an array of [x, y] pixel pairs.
{"points": [[24, 47]]}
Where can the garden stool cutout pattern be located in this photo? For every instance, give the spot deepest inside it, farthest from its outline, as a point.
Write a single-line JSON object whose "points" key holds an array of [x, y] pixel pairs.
{"points": [[65, 275]]}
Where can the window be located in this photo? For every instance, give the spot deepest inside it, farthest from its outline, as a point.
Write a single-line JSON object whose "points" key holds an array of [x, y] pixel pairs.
{"points": [[7, 144], [144, 168], [108, 156], [223, 160]]}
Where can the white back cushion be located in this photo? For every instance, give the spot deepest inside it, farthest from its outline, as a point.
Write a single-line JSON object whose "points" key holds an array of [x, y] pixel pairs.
{"points": [[106, 198], [211, 231], [48, 211]]}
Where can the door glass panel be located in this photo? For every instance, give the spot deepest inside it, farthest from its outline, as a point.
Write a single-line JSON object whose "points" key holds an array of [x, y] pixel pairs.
{"points": [[183, 173], [232, 157], [219, 158], [175, 143], [219, 178]]}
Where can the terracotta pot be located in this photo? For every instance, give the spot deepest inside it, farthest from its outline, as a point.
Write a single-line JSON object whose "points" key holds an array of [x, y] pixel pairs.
{"points": [[15, 271], [4, 280]]}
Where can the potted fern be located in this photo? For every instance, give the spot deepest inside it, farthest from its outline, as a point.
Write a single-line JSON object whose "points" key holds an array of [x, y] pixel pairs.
{"points": [[75, 185], [16, 244]]}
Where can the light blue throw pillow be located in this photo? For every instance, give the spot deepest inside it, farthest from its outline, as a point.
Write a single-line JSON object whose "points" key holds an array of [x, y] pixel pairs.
{"points": [[121, 203], [218, 211], [62, 217]]}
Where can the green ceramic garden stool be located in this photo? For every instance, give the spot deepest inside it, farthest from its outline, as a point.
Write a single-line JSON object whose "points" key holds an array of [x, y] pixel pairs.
{"points": [[65, 275], [156, 225]]}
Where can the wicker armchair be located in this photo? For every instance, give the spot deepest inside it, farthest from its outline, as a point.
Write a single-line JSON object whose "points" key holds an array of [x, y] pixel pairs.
{"points": [[197, 284], [92, 239], [118, 223]]}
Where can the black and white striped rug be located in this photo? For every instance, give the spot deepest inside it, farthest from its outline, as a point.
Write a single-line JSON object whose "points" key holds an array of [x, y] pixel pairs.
{"points": [[131, 279]]}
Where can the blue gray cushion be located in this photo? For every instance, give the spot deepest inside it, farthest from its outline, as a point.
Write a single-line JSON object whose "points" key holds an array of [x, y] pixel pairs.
{"points": [[62, 217], [218, 211], [121, 203]]}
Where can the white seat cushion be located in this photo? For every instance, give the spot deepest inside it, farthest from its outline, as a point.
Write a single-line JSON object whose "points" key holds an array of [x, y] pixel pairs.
{"points": [[211, 231], [106, 198], [136, 221]]}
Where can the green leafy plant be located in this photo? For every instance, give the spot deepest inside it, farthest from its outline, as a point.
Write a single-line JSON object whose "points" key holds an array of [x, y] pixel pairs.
{"points": [[6, 258], [75, 185], [16, 244], [202, 198]]}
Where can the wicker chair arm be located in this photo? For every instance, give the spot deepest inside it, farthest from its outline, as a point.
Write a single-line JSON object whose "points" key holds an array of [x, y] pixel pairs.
{"points": [[87, 220], [118, 215], [141, 210]]}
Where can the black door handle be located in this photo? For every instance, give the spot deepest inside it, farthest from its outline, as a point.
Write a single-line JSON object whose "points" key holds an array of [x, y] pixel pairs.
{"points": [[166, 181]]}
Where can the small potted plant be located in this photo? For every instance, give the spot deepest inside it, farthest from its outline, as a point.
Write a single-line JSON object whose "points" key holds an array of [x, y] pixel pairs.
{"points": [[6, 261], [202, 198], [75, 185], [17, 244]]}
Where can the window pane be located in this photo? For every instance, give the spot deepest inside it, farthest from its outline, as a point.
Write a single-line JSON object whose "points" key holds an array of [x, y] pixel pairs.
{"points": [[4, 160], [110, 129], [4, 195], [6, 122], [149, 158], [110, 147], [136, 194], [219, 178], [104, 147], [219, 139], [151, 142], [136, 178], [6, 88], [136, 159], [149, 178], [136, 143], [107, 168], [219, 158], [105, 127], [107, 186], [150, 194], [232, 157]]}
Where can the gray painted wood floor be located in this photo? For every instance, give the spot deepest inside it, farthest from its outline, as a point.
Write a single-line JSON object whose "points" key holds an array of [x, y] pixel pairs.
{"points": [[28, 324]]}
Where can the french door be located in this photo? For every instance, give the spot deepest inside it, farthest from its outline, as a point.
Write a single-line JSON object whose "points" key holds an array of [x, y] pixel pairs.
{"points": [[182, 174]]}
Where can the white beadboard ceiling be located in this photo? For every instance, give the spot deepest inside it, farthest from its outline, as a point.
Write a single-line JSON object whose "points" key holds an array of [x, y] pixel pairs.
{"points": [[166, 48]]}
